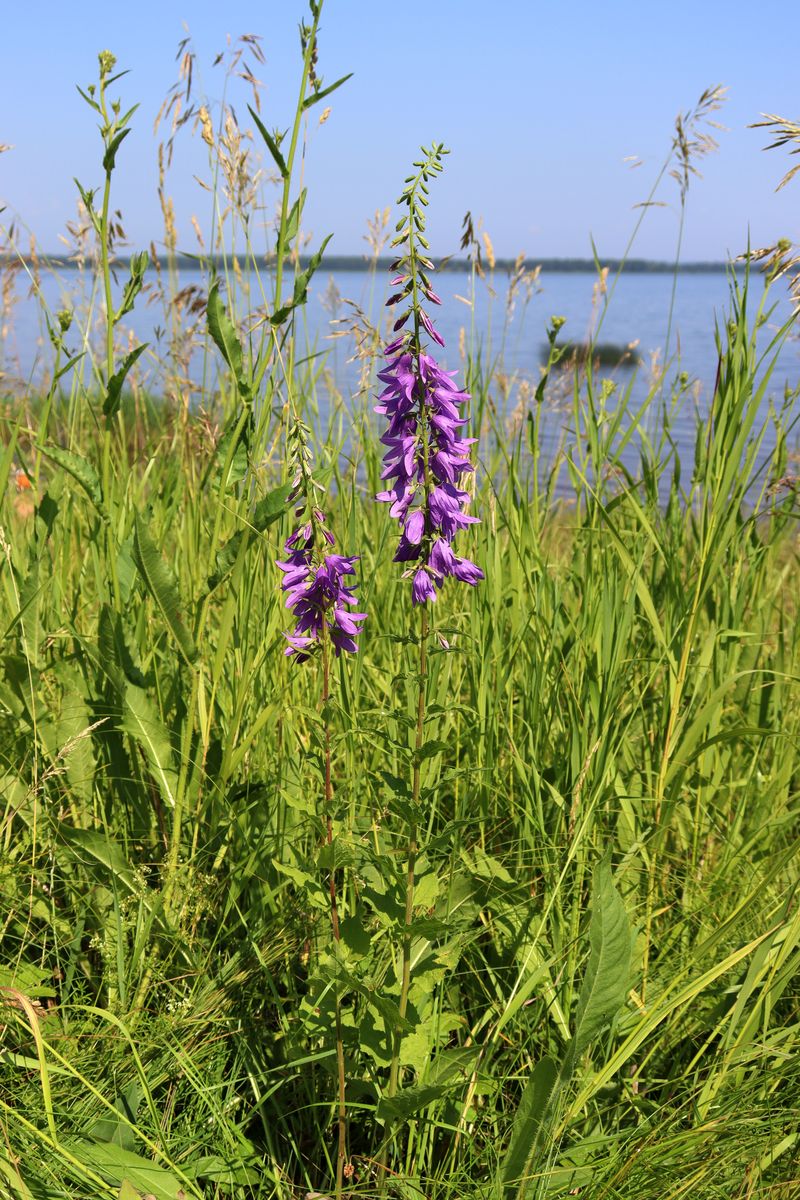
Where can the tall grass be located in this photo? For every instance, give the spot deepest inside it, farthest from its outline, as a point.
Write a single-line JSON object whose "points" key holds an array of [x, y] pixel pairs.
{"points": [[623, 689]]}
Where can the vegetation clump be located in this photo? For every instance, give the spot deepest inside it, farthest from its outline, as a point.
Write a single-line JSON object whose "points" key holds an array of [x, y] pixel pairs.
{"points": [[501, 901]]}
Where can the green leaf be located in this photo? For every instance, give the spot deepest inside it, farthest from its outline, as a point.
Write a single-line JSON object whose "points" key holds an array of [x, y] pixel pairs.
{"points": [[226, 339], [293, 220], [88, 99], [141, 720], [81, 471], [430, 750], [90, 848], [301, 282], [308, 884], [19, 1189], [530, 1119], [270, 507], [120, 1166], [605, 984], [110, 156], [268, 510], [317, 96], [162, 587], [118, 1128], [225, 1171], [602, 994], [128, 1192], [225, 560], [138, 266], [114, 390], [409, 1101], [272, 144], [240, 457], [71, 730]]}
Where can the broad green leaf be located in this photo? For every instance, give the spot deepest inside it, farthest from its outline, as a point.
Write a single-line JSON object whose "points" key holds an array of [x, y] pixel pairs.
{"points": [[602, 994], [408, 1102], [141, 720], [19, 1189], [430, 749], [110, 156], [268, 510], [309, 884], [226, 339], [71, 731], [605, 984], [270, 507], [293, 219], [81, 471], [114, 390], [240, 458], [162, 587], [26, 978], [230, 1172], [90, 847], [119, 1166], [531, 1116], [7, 454], [128, 1192]]}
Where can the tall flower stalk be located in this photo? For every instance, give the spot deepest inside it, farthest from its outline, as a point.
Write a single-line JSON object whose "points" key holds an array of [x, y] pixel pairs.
{"points": [[313, 581], [423, 466]]}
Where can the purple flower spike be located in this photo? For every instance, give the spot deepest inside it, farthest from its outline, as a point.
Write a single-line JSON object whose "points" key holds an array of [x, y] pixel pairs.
{"points": [[426, 458], [423, 407], [319, 598]]}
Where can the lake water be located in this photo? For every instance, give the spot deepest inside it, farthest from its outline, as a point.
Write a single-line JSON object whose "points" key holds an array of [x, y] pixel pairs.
{"points": [[638, 313]]}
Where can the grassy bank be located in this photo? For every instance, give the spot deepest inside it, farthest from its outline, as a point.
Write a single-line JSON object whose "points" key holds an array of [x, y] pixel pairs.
{"points": [[603, 939]]}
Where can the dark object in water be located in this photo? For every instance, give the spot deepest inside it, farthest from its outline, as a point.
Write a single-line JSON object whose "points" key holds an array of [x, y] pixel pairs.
{"points": [[603, 354]]}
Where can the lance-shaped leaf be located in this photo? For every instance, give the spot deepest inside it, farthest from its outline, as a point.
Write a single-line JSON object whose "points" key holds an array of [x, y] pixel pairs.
{"points": [[531, 1116], [239, 454], [267, 511], [139, 264], [121, 1166], [293, 220], [114, 390], [110, 156], [141, 719], [226, 339], [81, 471], [605, 984], [93, 850], [272, 144], [302, 280], [602, 994], [315, 97], [162, 587]]}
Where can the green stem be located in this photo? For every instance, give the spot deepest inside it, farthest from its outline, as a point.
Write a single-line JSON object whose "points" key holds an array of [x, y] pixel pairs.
{"points": [[341, 1154], [287, 183], [105, 266], [411, 862]]}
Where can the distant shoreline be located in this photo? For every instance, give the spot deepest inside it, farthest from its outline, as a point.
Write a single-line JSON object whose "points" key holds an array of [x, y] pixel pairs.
{"points": [[353, 262]]}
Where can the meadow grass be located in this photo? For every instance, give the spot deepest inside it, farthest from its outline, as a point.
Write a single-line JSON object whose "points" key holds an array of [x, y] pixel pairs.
{"points": [[621, 690]]}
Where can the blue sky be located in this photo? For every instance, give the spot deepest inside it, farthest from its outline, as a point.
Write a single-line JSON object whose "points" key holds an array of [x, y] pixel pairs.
{"points": [[541, 104]]}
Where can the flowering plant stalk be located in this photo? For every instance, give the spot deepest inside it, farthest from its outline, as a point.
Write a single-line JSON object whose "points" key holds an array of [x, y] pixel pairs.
{"points": [[313, 581], [425, 459]]}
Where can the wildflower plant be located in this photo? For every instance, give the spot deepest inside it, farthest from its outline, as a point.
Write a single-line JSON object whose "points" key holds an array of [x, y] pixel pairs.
{"points": [[313, 582], [425, 460]]}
